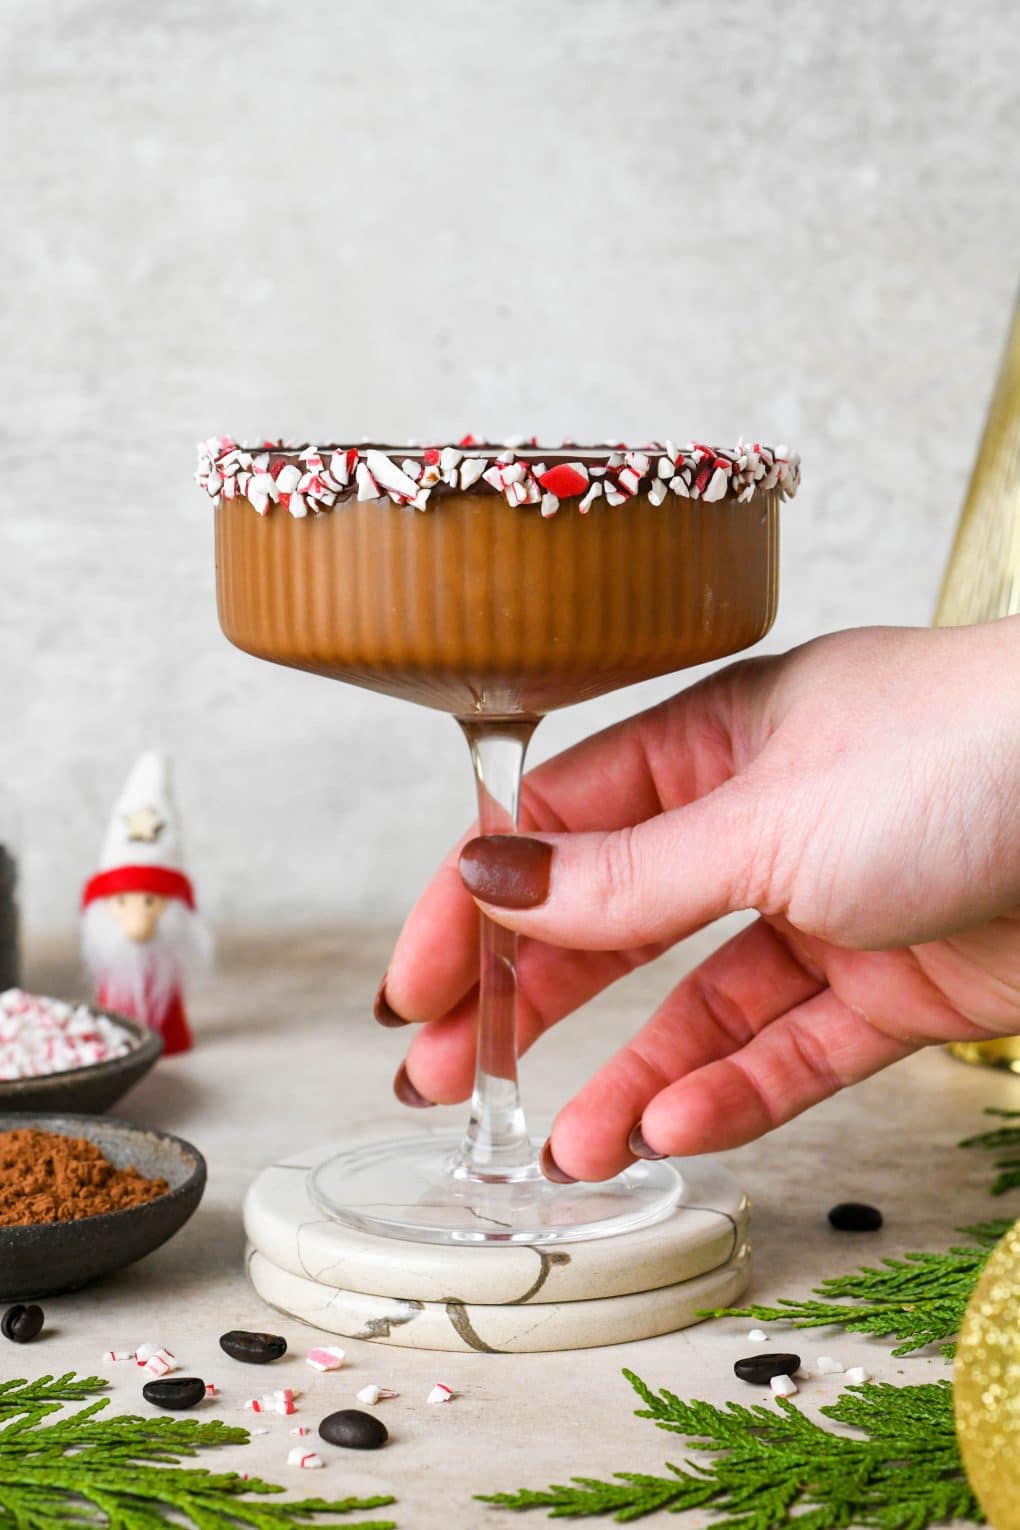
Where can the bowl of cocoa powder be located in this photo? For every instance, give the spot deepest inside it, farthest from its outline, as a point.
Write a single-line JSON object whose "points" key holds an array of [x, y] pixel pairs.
{"points": [[83, 1196]]}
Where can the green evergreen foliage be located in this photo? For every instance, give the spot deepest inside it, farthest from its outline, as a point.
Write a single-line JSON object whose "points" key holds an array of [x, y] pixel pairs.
{"points": [[918, 1299], [771, 1467], [1004, 1140], [89, 1471]]}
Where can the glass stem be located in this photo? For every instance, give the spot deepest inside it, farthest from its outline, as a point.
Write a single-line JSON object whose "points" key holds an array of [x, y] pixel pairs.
{"points": [[497, 1146]]}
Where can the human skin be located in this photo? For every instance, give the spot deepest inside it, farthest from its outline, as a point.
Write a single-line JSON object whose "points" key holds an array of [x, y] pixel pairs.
{"points": [[861, 793]]}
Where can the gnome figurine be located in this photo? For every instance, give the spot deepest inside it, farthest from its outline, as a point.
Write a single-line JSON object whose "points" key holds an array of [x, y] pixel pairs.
{"points": [[141, 935]]}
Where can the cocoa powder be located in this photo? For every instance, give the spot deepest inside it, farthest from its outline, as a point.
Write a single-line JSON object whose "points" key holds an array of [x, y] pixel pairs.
{"points": [[48, 1178]]}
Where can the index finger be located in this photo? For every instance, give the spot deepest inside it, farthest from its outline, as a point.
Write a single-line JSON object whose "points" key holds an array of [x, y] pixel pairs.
{"points": [[629, 772]]}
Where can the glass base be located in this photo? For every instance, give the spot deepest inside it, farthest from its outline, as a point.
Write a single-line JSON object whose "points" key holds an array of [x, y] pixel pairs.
{"points": [[417, 1188]]}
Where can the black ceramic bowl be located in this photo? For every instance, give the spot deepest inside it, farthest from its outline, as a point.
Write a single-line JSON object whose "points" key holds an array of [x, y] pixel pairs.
{"points": [[94, 1088], [46, 1258]]}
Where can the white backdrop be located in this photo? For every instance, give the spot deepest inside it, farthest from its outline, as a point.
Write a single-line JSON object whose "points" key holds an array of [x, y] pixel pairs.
{"points": [[792, 219]]}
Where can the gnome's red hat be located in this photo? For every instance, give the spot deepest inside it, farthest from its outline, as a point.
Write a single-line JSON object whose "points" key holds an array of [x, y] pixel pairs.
{"points": [[161, 881], [142, 844]]}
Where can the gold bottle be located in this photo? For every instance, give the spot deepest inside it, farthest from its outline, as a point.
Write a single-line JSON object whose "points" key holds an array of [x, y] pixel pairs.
{"points": [[982, 579]]}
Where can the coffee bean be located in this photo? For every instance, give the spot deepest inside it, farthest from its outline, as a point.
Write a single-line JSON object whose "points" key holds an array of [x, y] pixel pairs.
{"points": [[253, 1348], [854, 1216], [354, 1429], [760, 1369], [22, 1323], [174, 1392]]}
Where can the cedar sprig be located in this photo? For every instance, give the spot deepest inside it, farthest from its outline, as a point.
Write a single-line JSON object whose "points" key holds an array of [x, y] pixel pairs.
{"points": [[93, 1472], [772, 1468], [1001, 1139], [918, 1299]]}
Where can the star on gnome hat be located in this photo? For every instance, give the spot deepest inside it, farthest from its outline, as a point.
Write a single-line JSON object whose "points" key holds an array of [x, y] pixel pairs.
{"points": [[142, 937]]}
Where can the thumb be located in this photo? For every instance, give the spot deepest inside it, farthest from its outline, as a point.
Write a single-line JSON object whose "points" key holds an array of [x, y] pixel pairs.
{"points": [[653, 882]]}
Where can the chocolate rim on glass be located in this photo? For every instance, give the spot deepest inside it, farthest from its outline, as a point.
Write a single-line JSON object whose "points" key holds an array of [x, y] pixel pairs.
{"points": [[494, 583]]}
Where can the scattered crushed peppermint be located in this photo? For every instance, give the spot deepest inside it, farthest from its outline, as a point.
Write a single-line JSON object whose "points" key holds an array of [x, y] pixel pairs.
{"points": [[160, 1363], [41, 1036], [373, 1394], [282, 1400], [827, 1366], [307, 1460], [326, 1358], [311, 478]]}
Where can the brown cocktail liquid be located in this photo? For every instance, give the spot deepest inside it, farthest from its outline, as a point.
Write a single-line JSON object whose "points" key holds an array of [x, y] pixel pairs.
{"points": [[482, 609]]}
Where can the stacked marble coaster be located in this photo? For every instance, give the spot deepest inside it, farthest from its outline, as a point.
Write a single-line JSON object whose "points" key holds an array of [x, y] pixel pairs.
{"points": [[498, 1299]]}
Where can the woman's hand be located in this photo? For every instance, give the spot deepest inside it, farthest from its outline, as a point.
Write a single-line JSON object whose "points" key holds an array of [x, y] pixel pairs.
{"points": [[862, 793]]}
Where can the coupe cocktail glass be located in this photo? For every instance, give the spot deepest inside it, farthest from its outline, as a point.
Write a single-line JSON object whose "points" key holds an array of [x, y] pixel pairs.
{"points": [[533, 579]]}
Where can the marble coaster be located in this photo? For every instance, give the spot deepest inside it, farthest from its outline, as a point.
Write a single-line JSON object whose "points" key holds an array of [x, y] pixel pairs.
{"points": [[291, 1233], [491, 1329]]}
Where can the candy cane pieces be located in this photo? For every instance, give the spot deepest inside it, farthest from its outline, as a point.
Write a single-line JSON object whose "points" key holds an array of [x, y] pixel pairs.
{"points": [[327, 1358], [373, 1394], [299, 480], [565, 479], [280, 1401], [307, 1460], [159, 1362]]}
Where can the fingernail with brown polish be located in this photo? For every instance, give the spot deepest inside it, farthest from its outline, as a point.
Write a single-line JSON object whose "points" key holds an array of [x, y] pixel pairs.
{"points": [[639, 1147], [551, 1169], [507, 870], [407, 1094], [383, 1010]]}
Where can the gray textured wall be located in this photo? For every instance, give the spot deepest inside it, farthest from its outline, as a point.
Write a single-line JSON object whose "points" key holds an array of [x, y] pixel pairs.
{"points": [[797, 219]]}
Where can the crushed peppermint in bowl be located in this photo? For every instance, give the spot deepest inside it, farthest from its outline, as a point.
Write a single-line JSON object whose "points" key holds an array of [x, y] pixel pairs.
{"points": [[40, 1035], [64, 1055]]}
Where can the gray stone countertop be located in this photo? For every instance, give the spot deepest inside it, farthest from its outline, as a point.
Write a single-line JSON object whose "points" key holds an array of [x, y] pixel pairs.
{"points": [[288, 1056]]}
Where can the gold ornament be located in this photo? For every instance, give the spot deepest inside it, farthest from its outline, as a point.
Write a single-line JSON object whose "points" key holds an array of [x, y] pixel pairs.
{"points": [[986, 1388], [982, 579]]}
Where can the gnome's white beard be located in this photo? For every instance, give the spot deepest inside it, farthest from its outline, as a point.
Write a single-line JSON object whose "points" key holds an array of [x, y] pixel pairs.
{"points": [[141, 977]]}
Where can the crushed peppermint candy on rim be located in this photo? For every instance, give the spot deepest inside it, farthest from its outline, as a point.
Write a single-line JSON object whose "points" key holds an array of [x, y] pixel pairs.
{"points": [[39, 1036], [304, 478]]}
